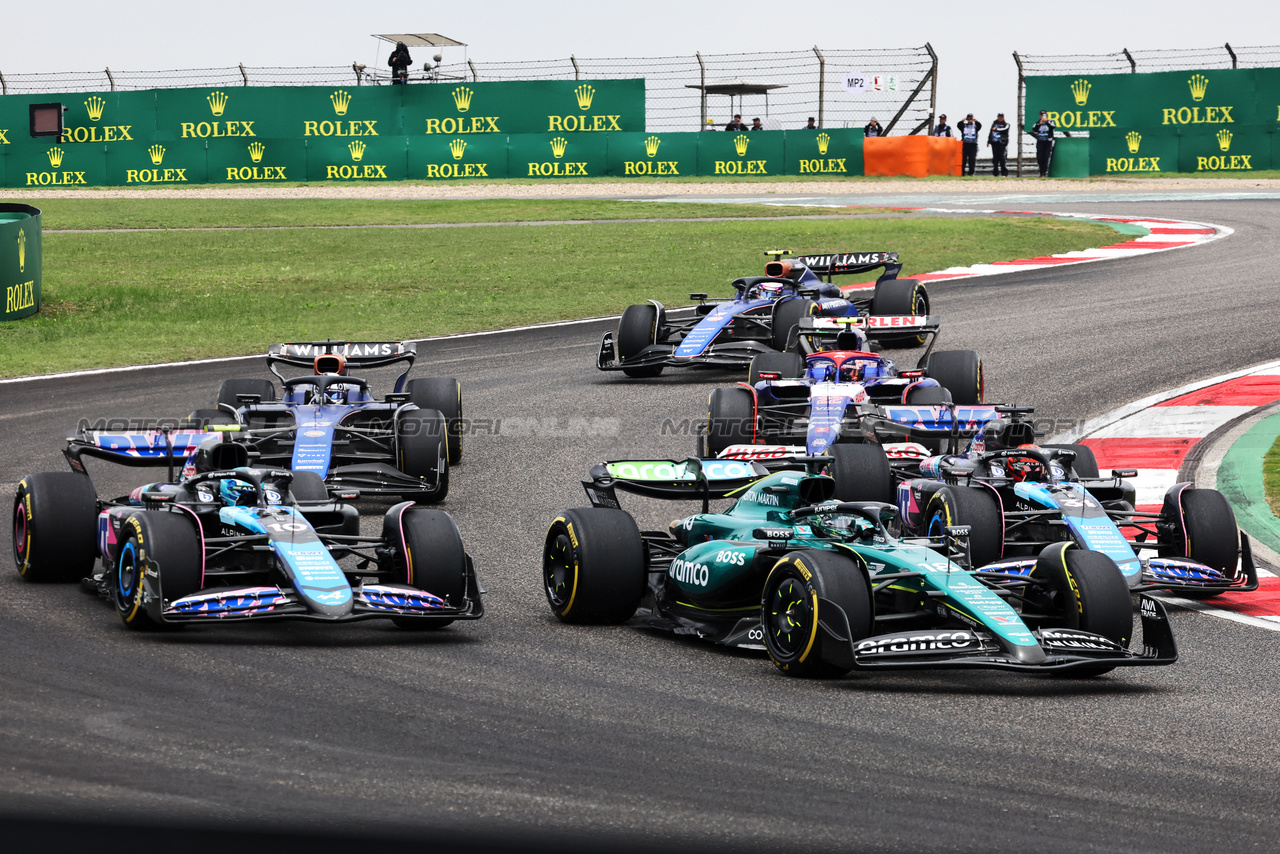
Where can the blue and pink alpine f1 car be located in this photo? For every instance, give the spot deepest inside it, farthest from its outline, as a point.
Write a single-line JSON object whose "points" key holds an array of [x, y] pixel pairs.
{"points": [[229, 542], [762, 316]]}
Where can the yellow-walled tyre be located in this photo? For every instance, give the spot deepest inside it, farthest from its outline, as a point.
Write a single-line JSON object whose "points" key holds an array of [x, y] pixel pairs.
{"points": [[800, 589], [161, 557], [594, 566], [55, 527]]}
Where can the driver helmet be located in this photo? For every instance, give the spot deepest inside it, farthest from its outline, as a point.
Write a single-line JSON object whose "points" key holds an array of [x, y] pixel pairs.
{"points": [[1024, 468], [768, 289], [335, 394], [853, 371], [237, 493]]}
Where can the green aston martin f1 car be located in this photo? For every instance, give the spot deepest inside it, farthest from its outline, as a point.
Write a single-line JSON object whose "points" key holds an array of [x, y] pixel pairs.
{"points": [[825, 586]]}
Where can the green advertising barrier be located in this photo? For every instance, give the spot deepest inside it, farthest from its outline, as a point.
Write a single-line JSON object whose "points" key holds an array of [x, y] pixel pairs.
{"points": [[656, 154], [823, 152], [244, 161], [55, 164], [1227, 149], [1139, 152], [551, 155], [19, 260], [140, 164], [380, 158], [735, 154], [453, 157], [1166, 98], [1070, 158], [530, 106]]}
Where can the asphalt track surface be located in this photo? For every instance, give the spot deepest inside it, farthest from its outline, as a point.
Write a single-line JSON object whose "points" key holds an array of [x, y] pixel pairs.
{"points": [[527, 732]]}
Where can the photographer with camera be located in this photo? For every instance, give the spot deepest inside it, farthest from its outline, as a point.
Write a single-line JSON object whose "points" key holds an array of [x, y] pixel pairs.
{"points": [[400, 62]]}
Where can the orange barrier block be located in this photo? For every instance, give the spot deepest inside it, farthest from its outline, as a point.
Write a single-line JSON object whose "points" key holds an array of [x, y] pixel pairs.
{"points": [[918, 156]]}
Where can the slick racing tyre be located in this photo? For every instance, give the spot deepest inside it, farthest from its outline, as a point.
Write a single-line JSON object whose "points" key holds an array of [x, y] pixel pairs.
{"points": [[1085, 465], [639, 326], [775, 366], [163, 547], [731, 419], [804, 589], [594, 565], [895, 297], [55, 527], [974, 506], [420, 438], [427, 554], [959, 372], [786, 316], [445, 395], [1073, 588], [229, 389], [861, 473], [1204, 531]]}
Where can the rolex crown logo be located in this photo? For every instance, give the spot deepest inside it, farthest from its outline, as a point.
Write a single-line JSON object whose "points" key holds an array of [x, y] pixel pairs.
{"points": [[740, 143], [1199, 84], [1080, 91], [651, 146], [462, 98], [558, 145], [1133, 139], [341, 99], [585, 93], [157, 154], [95, 106], [1224, 139], [256, 150], [457, 148], [22, 251], [356, 147], [217, 102], [824, 140], [55, 157]]}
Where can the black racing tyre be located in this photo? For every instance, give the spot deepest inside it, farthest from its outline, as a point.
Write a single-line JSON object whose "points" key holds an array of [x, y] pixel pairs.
{"points": [[731, 419], [445, 395], [307, 487], [861, 472], [55, 527], [959, 372], [1079, 589], [265, 389], [639, 326], [160, 541], [781, 366], [427, 554], [974, 506], [927, 395], [795, 595], [786, 316], [1209, 531], [895, 297], [594, 565], [1085, 465], [420, 435]]}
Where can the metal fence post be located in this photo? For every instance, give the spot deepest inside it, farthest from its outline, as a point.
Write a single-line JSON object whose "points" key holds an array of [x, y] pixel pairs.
{"points": [[1133, 66], [474, 76], [243, 74], [4, 87], [933, 93], [822, 86], [933, 86], [1022, 80], [1233, 54], [577, 75], [111, 80], [702, 81]]}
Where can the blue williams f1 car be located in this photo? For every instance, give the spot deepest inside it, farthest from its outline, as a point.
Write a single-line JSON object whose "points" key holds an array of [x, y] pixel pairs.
{"points": [[825, 587], [230, 542], [760, 318], [328, 422]]}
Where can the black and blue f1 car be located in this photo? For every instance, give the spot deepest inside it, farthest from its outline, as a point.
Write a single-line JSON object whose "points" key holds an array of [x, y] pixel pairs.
{"points": [[761, 317], [231, 542], [328, 422]]}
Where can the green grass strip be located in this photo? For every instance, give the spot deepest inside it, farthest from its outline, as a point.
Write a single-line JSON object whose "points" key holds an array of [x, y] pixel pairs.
{"points": [[141, 297]]}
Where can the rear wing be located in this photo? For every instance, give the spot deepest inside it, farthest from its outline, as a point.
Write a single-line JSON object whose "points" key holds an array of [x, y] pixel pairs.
{"points": [[669, 479], [344, 355], [840, 263], [933, 422], [141, 449], [816, 334]]}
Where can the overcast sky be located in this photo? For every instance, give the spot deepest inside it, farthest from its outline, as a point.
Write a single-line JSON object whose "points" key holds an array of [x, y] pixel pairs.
{"points": [[974, 40]]}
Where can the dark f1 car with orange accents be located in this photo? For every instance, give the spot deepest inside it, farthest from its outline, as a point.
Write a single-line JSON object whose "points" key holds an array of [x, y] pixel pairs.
{"points": [[825, 586], [232, 542], [762, 315], [328, 422]]}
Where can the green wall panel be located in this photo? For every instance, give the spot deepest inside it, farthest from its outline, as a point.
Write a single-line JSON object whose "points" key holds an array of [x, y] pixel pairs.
{"points": [[823, 152], [657, 154], [740, 153]]}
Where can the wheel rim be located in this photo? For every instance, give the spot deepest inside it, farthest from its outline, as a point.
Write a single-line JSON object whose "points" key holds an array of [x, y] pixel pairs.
{"points": [[790, 618], [558, 571], [21, 535], [126, 573]]}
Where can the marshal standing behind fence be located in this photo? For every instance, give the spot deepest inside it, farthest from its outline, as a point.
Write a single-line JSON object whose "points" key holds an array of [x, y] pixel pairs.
{"points": [[998, 142], [943, 129], [968, 129], [1043, 132]]}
